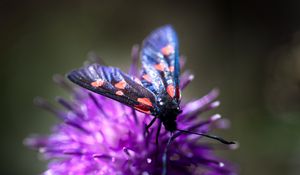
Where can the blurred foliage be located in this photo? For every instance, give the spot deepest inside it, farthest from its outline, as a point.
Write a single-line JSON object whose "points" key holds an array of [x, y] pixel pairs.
{"points": [[250, 50]]}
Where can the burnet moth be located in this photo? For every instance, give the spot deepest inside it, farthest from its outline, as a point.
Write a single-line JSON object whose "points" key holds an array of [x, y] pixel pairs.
{"points": [[155, 92]]}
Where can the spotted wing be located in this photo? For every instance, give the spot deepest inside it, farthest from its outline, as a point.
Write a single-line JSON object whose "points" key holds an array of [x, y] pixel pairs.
{"points": [[160, 61], [113, 83]]}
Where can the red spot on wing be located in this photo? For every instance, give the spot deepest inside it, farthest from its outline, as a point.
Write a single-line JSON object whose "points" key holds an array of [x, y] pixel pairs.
{"points": [[160, 67], [120, 93], [171, 90], [145, 101], [178, 93], [147, 77], [97, 83], [167, 50], [142, 108], [121, 84]]}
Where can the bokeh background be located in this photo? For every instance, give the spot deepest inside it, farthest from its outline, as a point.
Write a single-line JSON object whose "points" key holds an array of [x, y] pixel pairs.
{"points": [[249, 49]]}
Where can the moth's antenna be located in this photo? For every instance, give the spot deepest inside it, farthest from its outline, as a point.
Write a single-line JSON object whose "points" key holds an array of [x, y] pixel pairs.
{"points": [[208, 136]]}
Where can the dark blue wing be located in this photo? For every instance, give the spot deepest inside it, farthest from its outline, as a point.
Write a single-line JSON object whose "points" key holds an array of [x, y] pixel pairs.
{"points": [[160, 61], [113, 83]]}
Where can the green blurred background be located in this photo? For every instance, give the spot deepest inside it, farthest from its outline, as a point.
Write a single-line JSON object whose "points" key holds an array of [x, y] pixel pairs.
{"points": [[250, 50]]}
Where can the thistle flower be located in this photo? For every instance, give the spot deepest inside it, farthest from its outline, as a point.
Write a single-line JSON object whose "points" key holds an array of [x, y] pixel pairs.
{"points": [[100, 136]]}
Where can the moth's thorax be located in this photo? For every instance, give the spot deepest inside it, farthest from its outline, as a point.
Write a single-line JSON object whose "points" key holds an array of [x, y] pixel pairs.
{"points": [[168, 112]]}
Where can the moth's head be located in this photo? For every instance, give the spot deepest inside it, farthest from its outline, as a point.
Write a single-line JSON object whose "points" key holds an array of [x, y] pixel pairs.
{"points": [[168, 114], [170, 125]]}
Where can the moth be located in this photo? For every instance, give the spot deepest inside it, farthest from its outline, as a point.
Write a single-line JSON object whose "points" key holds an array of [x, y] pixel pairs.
{"points": [[155, 92]]}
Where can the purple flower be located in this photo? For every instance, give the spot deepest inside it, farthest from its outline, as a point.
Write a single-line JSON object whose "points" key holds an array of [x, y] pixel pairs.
{"points": [[100, 136]]}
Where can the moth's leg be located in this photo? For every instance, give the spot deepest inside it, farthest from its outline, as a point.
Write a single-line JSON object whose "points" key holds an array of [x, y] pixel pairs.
{"points": [[157, 133], [164, 157], [150, 124]]}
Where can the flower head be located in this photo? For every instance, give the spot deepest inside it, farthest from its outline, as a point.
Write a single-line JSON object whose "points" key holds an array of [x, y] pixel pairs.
{"points": [[100, 136]]}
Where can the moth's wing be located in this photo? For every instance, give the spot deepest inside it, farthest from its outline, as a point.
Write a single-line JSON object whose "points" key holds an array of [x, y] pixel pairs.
{"points": [[113, 83], [160, 62]]}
